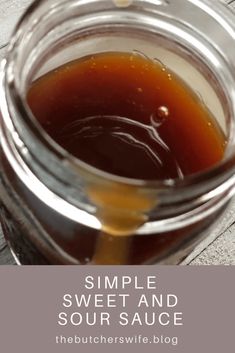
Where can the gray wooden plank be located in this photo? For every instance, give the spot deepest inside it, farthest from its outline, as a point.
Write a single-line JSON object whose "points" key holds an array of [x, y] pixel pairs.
{"points": [[219, 231], [230, 3], [220, 252], [10, 11], [2, 51], [2, 242], [6, 257]]}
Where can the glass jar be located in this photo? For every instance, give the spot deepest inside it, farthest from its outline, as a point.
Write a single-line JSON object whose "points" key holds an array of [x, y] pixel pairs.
{"points": [[57, 209]]}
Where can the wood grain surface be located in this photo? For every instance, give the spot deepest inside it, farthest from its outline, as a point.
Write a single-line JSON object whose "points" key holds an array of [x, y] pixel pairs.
{"points": [[218, 248]]}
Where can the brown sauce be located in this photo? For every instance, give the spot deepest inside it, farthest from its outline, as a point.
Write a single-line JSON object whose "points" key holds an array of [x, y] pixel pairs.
{"points": [[128, 116], [132, 117]]}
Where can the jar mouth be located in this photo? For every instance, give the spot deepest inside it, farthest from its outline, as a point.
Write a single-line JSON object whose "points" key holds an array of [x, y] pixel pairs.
{"points": [[205, 180]]}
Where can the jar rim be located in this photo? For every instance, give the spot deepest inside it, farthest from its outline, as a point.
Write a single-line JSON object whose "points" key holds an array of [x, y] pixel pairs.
{"points": [[207, 179]]}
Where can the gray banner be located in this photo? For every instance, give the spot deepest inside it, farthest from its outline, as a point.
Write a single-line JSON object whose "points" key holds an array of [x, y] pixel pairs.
{"points": [[108, 309]]}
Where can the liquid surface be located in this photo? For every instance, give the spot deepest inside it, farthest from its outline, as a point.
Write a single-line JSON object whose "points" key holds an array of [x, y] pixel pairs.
{"points": [[127, 115]]}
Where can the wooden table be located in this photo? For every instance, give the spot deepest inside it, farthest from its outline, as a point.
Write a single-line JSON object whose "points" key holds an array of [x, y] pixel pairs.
{"points": [[218, 248]]}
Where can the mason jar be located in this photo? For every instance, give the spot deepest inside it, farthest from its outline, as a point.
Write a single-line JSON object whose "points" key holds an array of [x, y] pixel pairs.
{"points": [[56, 209]]}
